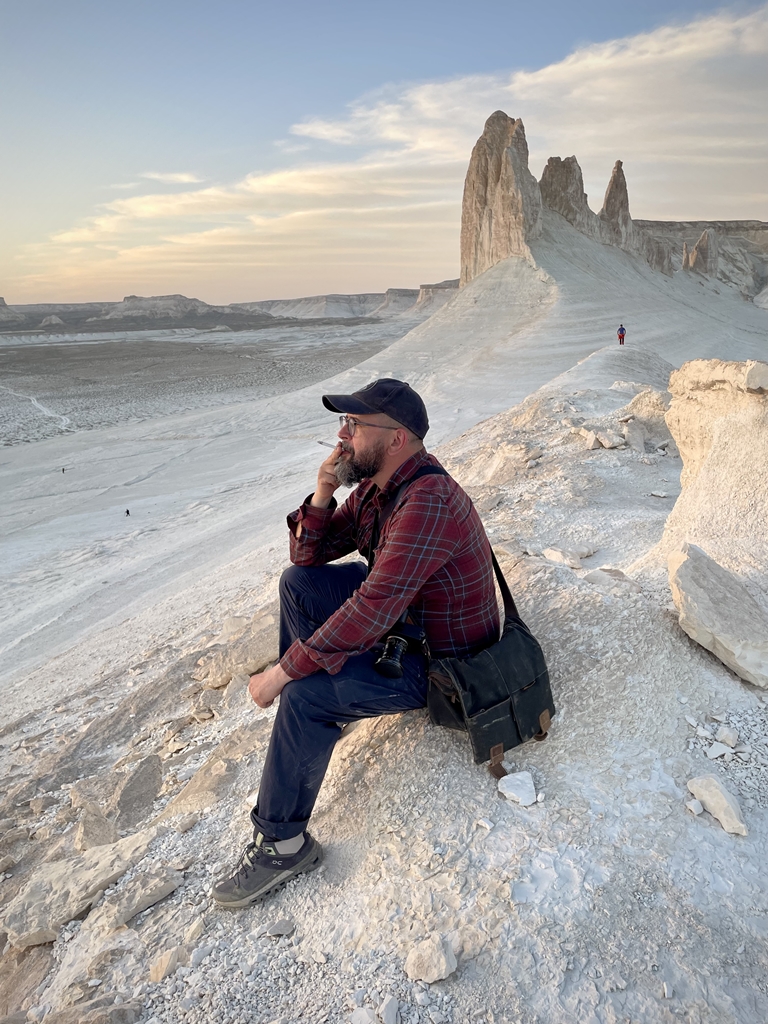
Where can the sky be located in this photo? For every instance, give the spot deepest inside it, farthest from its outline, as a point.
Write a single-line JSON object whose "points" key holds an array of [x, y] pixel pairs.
{"points": [[246, 150]]}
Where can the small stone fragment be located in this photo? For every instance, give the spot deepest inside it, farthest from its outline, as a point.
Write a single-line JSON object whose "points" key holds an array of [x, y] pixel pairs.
{"points": [[285, 926], [667, 989], [237, 687], [143, 891], [728, 735], [387, 1010], [206, 787], [591, 440], [694, 806], [703, 732], [721, 804], [430, 960], [186, 822], [363, 1015], [38, 804], [194, 931], [609, 440], [635, 435], [518, 787], [167, 963], [717, 750], [691, 721], [200, 954], [568, 558]]}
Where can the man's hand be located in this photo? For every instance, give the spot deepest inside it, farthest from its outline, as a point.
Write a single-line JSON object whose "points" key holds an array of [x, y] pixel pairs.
{"points": [[327, 482], [265, 686]]}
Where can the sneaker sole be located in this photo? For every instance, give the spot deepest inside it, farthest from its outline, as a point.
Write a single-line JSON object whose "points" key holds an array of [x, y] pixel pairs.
{"points": [[281, 879]]}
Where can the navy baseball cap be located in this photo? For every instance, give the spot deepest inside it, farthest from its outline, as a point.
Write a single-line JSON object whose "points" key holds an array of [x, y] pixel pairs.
{"points": [[393, 397]]}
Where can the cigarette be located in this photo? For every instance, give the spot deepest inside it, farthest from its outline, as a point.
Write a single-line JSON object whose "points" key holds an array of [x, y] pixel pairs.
{"points": [[326, 444]]}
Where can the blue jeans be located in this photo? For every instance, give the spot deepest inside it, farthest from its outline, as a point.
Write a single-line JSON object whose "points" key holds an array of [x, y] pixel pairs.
{"points": [[312, 710]]}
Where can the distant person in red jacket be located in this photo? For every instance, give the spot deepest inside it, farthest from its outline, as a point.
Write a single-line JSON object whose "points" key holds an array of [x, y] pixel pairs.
{"points": [[621, 332]]}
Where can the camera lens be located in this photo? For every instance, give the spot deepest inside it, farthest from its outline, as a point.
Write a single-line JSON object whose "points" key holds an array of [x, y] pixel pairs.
{"points": [[389, 664]]}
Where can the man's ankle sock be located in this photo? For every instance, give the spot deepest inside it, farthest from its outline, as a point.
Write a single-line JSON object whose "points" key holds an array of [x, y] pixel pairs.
{"points": [[289, 846]]}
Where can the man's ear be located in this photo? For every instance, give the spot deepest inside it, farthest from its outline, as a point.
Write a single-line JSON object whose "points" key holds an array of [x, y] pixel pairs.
{"points": [[399, 442]]}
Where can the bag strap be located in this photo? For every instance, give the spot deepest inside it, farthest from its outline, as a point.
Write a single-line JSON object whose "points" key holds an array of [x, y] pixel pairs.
{"points": [[510, 608], [380, 518]]}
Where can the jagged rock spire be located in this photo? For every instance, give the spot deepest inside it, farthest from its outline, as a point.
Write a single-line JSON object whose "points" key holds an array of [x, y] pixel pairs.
{"points": [[501, 209], [615, 212], [703, 256], [562, 190]]}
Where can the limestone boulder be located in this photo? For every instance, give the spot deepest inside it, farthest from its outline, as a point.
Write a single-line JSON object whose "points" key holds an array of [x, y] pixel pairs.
{"points": [[635, 435], [21, 972], [251, 650], [717, 611], [721, 804], [430, 960], [94, 829], [144, 891], [501, 208], [716, 407], [98, 1011], [64, 890], [136, 792], [206, 787], [718, 417]]}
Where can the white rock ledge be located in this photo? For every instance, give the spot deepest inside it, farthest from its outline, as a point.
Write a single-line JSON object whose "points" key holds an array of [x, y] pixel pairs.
{"points": [[717, 611]]}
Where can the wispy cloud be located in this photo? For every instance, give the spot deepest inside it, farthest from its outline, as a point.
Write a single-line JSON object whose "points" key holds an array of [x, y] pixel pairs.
{"points": [[180, 178], [685, 107]]}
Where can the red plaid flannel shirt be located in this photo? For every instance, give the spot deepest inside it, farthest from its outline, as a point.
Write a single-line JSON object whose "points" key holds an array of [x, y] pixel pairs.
{"points": [[433, 558]]}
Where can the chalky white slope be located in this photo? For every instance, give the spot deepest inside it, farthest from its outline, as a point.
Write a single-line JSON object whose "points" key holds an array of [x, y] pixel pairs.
{"points": [[207, 490], [607, 901]]}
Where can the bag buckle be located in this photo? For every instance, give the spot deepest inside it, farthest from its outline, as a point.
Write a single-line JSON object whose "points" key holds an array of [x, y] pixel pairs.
{"points": [[496, 768]]}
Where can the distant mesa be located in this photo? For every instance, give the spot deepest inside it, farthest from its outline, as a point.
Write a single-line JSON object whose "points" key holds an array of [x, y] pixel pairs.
{"points": [[393, 302], [8, 315], [177, 312], [504, 209]]}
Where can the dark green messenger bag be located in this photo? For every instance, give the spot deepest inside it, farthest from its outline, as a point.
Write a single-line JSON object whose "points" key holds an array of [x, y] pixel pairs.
{"points": [[501, 697]]}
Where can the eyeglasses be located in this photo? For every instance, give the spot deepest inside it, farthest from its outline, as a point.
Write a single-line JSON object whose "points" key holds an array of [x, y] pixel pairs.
{"points": [[352, 424]]}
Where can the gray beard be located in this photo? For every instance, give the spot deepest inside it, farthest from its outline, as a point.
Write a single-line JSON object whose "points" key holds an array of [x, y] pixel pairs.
{"points": [[354, 469]]}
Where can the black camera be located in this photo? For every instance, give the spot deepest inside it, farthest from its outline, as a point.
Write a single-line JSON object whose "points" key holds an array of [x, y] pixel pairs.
{"points": [[401, 639]]}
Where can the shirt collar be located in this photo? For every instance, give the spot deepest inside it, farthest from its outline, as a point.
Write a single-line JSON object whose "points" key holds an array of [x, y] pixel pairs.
{"points": [[401, 474]]}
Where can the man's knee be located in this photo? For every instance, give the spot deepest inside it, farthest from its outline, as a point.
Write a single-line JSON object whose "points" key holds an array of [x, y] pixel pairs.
{"points": [[292, 581]]}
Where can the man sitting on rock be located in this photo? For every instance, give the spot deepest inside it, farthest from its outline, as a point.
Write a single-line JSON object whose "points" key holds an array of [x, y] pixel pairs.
{"points": [[432, 564]]}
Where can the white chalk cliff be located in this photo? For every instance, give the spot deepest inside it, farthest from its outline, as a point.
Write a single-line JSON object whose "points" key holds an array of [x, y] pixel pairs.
{"points": [[502, 214], [501, 209]]}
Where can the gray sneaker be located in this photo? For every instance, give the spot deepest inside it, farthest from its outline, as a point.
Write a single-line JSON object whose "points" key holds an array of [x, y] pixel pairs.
{"points": [[262, 870]]}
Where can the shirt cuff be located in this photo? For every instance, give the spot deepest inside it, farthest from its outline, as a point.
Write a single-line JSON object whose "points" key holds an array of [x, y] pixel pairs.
{"points": [[310, 512], [296, 662]]}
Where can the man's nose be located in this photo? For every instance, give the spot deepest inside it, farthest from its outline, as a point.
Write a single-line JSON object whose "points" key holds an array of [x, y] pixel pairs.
{"points": [[343, 432]]}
